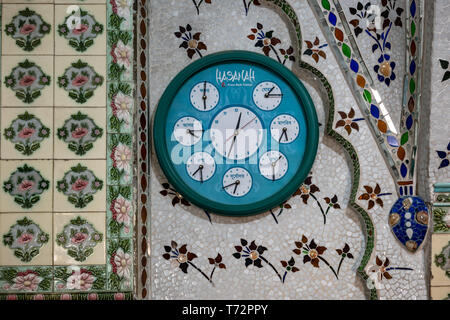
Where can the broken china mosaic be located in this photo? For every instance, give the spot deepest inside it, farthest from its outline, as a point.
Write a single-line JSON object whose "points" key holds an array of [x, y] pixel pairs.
{"points": [[79, 238]]}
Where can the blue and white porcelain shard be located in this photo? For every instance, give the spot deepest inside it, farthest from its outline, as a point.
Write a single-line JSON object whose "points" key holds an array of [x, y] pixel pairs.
{"points": [[408, 220]]}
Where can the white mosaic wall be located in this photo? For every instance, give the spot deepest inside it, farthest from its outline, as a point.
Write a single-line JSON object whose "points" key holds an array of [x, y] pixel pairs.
{"points": [[224, 26]]}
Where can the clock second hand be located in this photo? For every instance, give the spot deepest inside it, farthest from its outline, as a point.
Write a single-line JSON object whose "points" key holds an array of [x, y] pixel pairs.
{"points": [[236, 132], [204, 95]]}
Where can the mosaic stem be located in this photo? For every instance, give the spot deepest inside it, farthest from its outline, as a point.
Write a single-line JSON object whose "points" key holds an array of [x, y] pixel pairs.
{"points": [[332, 269], [266, 261], [198, 269]]}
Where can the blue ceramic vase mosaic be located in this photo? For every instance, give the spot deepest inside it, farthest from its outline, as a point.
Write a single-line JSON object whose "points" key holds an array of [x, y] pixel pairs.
{"points": [[408, 220]]}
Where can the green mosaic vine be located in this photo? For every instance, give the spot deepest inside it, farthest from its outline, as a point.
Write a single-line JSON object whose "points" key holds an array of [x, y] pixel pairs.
{"points": [[351, 152]]}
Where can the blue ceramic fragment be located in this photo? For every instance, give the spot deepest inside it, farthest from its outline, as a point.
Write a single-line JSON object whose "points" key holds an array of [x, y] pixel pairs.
{"points": [[408, 220], [332, 18]]}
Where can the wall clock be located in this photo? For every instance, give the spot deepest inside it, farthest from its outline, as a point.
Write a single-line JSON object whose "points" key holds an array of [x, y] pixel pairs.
{"points": [[235, 133]]}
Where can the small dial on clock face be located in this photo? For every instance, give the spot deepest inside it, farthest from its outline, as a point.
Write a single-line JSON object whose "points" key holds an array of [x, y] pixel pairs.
{"points": [[188, 131], [204, 96], [267, 95], [236, 133], [201, 166], [237, 182], [273, 165], [284, 128]]}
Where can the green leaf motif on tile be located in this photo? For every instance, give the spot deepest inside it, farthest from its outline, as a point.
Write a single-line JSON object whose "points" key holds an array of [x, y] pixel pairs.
{"points": [[412, 86], [413, 28], [404, 138], [346, 50], [367, 96], [326, 5]]}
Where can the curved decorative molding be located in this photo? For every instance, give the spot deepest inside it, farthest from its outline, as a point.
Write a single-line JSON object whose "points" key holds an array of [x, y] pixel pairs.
{"points": [[345, 144]]}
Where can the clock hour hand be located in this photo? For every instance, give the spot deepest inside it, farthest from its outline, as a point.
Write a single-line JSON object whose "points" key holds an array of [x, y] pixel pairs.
{"points": [[284, 133], [191, 132], [273, 167], [268, 93], [275, 95]]}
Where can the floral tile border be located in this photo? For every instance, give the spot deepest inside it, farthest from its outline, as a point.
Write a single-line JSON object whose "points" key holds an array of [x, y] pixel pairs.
{"points": [[103, 281]]}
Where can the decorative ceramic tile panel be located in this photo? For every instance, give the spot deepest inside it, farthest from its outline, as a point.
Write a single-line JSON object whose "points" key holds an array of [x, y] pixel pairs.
{"points": [[66, 119]]}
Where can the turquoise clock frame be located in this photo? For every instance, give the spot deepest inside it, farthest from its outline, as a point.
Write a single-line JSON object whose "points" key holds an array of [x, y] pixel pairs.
{"points": [[163, 156]]}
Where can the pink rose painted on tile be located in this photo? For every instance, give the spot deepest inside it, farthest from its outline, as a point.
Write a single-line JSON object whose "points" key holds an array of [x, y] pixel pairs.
{"points": [[80, 36], [79, 237], [27, 28]]}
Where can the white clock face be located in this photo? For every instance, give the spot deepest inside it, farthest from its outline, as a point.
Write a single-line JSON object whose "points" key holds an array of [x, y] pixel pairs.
{"points": [[204, 96], [267, 95], [236, 133], [273, 165], [188, 131], [201, 166], [237, 182], [284, 128]]}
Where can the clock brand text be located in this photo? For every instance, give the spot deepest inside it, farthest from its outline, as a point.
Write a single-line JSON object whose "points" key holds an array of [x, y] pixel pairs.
{"points": [[235, 78]]}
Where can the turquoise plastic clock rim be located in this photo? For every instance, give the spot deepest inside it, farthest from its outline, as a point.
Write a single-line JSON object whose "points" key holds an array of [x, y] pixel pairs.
{"points": [[196, 198]]}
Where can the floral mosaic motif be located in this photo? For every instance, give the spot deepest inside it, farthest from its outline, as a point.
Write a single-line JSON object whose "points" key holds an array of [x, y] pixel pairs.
{"points": [[27, 28], [182, 258], [121, 156], [121, 14], [372, 196], [381, 269], [121, 261], [198, 3], [253, 255], [25, 237], [385, 67], [27, 80], [80, 31], [121, 53], [121, 103], [121, 209], [176, 197], [441, 220], [79, 237], [348, 121], [443, 155], [26, 280], [267, 42], [391, 12], [248, 3], [308, 189], [442, 260], [313, 253], [191, 43], [26, 184], [79, 132], [86, 278], [314, 49], [80, 80], [444, 66], [26, 132], [79, 185]]}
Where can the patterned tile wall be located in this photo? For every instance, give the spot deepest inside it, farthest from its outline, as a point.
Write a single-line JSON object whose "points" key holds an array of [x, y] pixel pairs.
{"points": [[66, 213]]}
